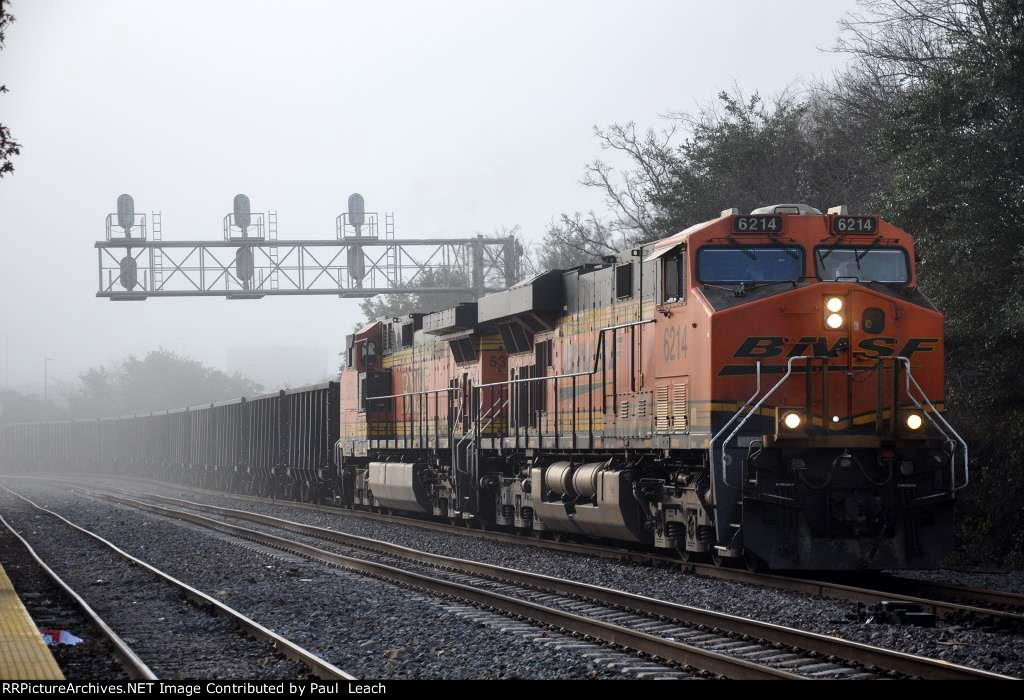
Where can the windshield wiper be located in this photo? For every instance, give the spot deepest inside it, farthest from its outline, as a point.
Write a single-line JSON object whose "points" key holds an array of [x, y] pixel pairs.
{"points": [[744, 287], [788, 249], [746, 251], [828, 251], [860, 254]]}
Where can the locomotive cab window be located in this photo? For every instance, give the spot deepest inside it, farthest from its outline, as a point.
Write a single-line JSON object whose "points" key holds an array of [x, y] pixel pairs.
{"points": [[624, 281], [731, 265], [862, 264], [673, 276]]}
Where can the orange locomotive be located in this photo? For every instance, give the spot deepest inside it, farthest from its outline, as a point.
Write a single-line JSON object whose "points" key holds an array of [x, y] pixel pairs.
{"points": [[763, 387]]}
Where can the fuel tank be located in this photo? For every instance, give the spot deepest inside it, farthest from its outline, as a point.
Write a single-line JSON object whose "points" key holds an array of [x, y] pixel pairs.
{"points": [[594, 499], [400, 485]]}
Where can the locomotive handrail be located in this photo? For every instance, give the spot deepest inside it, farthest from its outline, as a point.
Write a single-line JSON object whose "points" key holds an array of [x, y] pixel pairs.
{"points": [[932, 415], [412, 393], [711, 443], [755, 409], [598, 353], [945, 429], [597, 357]]}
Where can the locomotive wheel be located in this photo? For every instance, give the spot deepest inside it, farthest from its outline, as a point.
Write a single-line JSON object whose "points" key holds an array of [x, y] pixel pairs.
{"points": [[753, 563]]}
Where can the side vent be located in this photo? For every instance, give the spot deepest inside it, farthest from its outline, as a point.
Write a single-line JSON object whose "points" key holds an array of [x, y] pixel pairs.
{"points": [[672, 408], [681, 407], [661, 408]]}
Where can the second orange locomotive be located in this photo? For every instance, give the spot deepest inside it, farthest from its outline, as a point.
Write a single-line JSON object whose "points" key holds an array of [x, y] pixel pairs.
{"points": [[764, 387]]}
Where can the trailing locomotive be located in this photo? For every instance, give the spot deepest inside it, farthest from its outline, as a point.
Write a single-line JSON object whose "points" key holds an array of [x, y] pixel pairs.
{"points": [[765, 388]]}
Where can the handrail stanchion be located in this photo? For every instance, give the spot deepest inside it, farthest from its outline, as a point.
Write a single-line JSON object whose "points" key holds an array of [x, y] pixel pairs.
{"points": [[754, 409], [929, 415], [757, 390]]}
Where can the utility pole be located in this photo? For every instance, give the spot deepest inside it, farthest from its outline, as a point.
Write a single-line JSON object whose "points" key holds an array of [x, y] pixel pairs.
{"points": [[46, 377]]}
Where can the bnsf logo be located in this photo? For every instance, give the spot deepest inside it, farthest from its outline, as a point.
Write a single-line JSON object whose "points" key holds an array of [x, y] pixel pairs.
{"points": [[774, 346]]}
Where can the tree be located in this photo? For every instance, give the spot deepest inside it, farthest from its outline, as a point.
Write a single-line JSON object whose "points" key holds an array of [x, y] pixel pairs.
{"points": [[401, 305], [577, 239], [740, 151], [23, 408], [947, 75], [159, 381], [9, 148]]}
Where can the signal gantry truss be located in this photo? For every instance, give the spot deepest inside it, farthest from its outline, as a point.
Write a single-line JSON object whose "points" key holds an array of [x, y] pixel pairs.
{"points": [[251, 262]]}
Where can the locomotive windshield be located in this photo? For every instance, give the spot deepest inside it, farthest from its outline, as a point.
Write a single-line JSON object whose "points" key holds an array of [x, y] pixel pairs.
{"points": [[862, 264], [750, 264]]}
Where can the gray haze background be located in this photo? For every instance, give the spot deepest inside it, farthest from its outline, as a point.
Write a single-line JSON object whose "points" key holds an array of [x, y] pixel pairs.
{"points": [[460, 117]]}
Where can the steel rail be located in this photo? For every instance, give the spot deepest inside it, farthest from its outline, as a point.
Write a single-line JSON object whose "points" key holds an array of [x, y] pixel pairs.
{"points": [[857, 652], [135, 667], [965, 593], [817, 587], [636, 640], [318, 666]]}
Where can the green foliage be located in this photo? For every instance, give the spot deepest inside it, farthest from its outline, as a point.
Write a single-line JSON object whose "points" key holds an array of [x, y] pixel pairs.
{"points": [[8, 146], [401, 305], [23, 408], [747, 153], [159, 381], [949, 75], [574, 240], [742, 151]]}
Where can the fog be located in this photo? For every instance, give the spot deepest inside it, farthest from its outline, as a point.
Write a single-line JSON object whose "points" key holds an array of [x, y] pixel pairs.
{"points": [[460, 117]]}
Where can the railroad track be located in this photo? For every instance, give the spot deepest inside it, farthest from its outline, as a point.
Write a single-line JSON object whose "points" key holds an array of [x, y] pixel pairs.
{"points": [[995, 600], [958, 604], [718, 643], [134, 667], [312, 663]]}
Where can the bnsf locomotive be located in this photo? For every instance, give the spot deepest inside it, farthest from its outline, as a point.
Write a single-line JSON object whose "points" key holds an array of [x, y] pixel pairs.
{"points": [[765, 388]]}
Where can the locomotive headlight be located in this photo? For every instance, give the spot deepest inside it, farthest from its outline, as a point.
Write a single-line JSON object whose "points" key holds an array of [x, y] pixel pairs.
{"points": [[914, 421], [834, 321], [790, 423], [834, 304]]}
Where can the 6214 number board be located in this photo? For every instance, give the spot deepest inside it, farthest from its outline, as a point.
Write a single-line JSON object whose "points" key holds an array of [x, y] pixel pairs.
{"points": [[854, 224], [757, 223]]}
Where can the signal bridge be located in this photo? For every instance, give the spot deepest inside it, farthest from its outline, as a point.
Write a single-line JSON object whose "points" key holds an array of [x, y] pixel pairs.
{"points": [[251, 262]]}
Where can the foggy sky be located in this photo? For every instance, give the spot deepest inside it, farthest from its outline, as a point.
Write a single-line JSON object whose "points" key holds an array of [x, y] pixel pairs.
{"points": [[461, 117]]}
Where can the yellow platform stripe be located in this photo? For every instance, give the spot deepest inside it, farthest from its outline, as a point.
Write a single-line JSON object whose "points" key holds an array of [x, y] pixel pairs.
{"points": [[23, 653]]}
